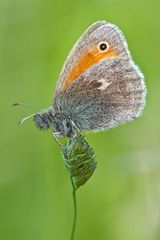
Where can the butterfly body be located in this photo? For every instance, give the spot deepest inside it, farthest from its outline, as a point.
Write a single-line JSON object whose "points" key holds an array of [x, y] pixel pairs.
{"points": [[99, 86]]}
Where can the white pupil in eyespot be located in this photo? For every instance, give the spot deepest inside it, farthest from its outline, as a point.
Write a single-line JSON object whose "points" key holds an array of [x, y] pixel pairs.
{"points": [[103, 46]]}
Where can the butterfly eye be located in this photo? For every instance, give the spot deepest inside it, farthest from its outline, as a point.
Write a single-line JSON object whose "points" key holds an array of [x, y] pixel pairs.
{"points": [[103, 46]]}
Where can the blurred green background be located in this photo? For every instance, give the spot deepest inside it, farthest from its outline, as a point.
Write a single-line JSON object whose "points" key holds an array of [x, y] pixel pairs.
{"points": [[122, 199]]}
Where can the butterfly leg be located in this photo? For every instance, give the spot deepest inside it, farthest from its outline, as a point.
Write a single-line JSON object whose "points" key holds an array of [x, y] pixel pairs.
{"points": [[78, 131], [54, 135], [76, 128]]}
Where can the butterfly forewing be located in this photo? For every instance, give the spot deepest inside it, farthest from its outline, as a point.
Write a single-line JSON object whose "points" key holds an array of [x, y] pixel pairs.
{"points": [[75, 55]]}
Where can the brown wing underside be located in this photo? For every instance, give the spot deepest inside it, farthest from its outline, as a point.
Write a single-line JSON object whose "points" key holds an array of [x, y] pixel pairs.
{"points": [[100, 90], [93, 104]]}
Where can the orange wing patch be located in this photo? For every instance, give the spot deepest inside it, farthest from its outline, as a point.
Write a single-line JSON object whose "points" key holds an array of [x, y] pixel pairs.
{"points": [[87, 60]]}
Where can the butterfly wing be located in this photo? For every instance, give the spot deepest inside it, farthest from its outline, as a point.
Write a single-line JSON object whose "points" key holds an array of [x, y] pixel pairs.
{"points": [[100, 89], [69, 71]]}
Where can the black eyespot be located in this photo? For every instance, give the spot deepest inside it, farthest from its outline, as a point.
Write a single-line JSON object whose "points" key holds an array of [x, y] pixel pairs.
{"points": [[103, 46]]}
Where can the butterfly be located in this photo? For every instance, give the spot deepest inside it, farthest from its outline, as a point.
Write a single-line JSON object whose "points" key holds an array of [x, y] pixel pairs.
{"points": [[99, 86]]}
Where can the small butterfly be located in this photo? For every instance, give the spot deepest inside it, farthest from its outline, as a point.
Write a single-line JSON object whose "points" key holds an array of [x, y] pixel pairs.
{"points": [[99, 86]]}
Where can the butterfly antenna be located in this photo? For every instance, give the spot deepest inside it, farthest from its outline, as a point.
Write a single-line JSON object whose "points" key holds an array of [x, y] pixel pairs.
{"points": [[24, 105], [24, 119]]}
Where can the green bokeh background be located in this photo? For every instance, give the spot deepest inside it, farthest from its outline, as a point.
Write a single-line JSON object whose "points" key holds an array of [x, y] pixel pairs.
{"points": [[122, 199]]}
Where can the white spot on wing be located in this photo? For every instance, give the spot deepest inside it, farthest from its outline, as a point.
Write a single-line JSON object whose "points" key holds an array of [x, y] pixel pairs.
{"points": [[104, 85]]}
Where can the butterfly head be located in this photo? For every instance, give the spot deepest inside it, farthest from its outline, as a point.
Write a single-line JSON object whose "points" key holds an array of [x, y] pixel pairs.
{"points": [[58, 122]]}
